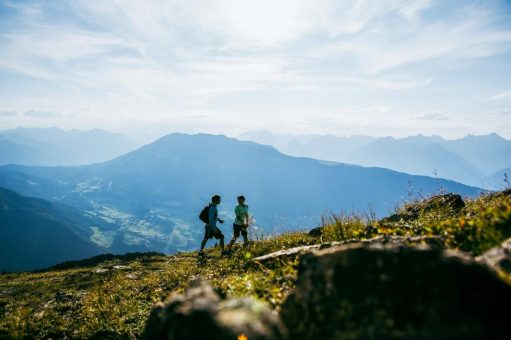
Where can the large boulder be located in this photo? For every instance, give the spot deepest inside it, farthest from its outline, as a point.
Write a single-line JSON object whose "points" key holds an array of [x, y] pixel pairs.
{"points": [[201, 313], [372, 291]]}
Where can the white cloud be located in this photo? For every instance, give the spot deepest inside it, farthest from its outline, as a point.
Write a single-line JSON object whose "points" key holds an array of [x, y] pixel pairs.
{"points": [[235, 24], [465, 39], [8, 113], [386, 83], [411, 9], [59, 45], [432, 116], [500, 112], [45, 114], [262, 22], [501, 95]]}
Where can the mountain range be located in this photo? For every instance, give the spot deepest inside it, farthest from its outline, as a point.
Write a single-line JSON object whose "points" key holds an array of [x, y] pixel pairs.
{"points": [[151, 196], [471, 160], [54, 146]]}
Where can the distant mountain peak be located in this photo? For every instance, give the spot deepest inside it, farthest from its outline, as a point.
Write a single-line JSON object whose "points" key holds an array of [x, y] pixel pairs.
{"points": [[491, 136]]}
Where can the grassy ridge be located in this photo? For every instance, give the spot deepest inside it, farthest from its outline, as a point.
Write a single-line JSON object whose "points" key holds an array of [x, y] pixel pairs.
{"points": [[115, 296]]}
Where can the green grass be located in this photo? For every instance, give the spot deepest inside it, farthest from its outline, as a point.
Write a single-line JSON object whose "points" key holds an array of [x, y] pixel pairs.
{"points": [[479, 226], [117, 295]]}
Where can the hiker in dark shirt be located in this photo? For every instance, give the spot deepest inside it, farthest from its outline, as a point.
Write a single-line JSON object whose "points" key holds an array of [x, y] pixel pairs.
{"points": [[211, 230]]}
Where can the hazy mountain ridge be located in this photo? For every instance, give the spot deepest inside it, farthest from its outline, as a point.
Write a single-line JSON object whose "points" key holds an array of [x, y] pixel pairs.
{"points": [[153, 194], [14, 151], [416, 159], [468, 160], [488, 152], [54, 146]]}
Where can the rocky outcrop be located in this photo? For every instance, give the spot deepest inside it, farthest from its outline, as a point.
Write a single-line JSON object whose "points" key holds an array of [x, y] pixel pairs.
{"points": [[453, 202], [202, 314], [498, 258], [375, 290]]}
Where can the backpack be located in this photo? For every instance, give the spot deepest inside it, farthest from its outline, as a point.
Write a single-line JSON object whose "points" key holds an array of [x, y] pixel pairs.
{"points": [[204, 214]]}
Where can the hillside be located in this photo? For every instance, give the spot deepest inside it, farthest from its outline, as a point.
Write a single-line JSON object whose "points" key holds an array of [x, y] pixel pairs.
{"points": [[113, 298], [35, 233], [153, 194]]}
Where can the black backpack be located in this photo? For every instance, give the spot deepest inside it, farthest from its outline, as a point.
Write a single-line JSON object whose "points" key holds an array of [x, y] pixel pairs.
{"points": [[204, 214]]}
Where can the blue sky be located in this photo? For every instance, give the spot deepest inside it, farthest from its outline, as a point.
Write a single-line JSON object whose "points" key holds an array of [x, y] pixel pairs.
{"points": [[146, 68]]}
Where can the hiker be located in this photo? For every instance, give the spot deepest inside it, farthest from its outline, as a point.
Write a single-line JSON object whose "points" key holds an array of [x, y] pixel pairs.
{"points": [[240, 224], [211, 230]]}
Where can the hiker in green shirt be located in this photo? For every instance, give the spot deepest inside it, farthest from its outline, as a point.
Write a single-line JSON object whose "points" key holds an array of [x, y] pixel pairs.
{"points": [[240, 223]]}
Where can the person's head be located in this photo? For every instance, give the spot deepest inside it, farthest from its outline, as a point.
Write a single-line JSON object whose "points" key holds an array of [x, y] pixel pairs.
{"points": [[241, 199], [216, 199]]}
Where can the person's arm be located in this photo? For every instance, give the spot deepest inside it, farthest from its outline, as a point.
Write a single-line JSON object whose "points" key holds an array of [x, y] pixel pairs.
{"points": [[247, 216], [216, 216]]}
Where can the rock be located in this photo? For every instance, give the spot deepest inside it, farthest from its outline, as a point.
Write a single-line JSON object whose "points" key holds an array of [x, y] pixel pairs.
{"points": [[410, 212], [316, 232], [119, 267], [498, 258], [432, 240], [285, 253], [101, 271], [202, 314], [376, 290], [453, 201]]}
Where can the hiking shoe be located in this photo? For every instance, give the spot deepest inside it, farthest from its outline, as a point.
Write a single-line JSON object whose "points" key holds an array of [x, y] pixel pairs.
{"points": [[201, 253]]}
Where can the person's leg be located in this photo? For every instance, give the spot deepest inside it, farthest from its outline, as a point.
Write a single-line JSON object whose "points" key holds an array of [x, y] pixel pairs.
{"points": [[205, 239], [235, 235], [234, 238], [222, 243], [217, 233], [244, 233], [203, 244]]}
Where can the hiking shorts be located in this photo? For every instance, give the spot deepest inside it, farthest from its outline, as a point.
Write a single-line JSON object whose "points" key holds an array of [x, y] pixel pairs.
{"points": [[211, 232], [240, 229]]}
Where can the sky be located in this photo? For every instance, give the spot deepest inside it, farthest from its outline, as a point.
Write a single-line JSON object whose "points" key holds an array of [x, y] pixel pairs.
{"points": [[147, 68]]}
